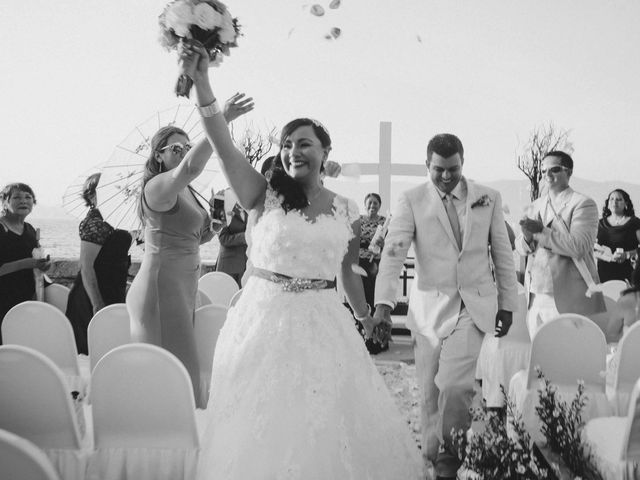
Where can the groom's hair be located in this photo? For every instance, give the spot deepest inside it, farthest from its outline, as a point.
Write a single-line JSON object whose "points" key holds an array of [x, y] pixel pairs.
{"points": [[445, 145], [565, 158]]}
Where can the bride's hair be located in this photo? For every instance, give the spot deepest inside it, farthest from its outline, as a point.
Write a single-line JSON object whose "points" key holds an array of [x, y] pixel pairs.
{"points": [[291, 191], [152, 166]]}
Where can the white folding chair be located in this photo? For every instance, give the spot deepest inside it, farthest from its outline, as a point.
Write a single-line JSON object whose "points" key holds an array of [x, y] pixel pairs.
{"points": [[57, 295], [567, 349], [209, 319], [35, 403], [109, 328], [218, 286], [627, 370], [611, 320], [202, 299], [615, 441], [46, 329], [235, 298], [143, 415], [21, 459]]}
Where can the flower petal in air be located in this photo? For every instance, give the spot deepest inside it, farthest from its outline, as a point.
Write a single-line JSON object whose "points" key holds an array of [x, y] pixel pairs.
{"points": [[317, 10]]}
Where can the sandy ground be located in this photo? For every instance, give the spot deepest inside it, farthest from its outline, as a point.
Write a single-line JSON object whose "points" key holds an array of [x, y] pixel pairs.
{"points": [[401, 381]]}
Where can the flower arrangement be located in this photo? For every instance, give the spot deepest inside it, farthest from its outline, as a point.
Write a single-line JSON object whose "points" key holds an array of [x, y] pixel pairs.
{"points": [[562, 426], [502, 449], [205, 22], [483, 201]]}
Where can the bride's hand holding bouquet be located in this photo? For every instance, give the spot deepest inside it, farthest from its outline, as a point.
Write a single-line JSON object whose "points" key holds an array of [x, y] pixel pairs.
{"points": [[201, 23]]}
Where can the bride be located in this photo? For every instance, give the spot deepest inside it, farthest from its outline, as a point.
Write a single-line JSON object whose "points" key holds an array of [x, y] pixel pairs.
{"points": [[294, 393]]}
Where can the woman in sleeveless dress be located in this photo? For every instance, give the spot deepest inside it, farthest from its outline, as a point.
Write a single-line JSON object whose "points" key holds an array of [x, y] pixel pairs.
{"points": [[17, 241], [104, 266], [294, 393], [162, 297]]}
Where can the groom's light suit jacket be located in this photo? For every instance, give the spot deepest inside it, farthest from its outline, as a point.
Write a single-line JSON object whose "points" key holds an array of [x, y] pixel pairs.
{"points": [[446, 274]]}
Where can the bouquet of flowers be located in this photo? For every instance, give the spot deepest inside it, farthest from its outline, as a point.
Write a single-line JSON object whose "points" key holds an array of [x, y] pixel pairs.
{"points": [[204, 22]]}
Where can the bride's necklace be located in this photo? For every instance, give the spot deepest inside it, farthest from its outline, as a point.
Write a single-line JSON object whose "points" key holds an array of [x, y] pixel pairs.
{"points": [[311, 198], [617, 221]]}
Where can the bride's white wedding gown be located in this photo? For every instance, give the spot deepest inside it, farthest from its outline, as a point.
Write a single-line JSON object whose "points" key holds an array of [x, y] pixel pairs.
{"points": [[294, 393]]}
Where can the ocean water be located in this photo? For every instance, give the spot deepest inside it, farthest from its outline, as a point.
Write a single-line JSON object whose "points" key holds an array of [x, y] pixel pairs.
{"points": [[59, 238]]}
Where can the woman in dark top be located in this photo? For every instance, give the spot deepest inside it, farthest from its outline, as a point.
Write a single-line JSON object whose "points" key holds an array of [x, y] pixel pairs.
{"points": [[17, 241], [104, 264], [368, 260], [618, 228]]}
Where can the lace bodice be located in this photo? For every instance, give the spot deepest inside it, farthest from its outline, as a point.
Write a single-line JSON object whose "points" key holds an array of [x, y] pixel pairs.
{"points": [[290, 244]]}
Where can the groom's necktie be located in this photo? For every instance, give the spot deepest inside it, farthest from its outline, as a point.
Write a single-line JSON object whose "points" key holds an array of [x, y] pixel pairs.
{"points": [[453, 218]]}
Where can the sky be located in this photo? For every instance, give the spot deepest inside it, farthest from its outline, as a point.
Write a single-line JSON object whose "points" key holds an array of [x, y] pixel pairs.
{"points": [[79, 75]]}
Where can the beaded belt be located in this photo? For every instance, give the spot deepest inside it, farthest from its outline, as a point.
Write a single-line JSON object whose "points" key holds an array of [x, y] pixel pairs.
{"points": [[293, 284]]}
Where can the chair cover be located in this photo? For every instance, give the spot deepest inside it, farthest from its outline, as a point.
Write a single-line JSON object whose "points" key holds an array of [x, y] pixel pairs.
{"points": [[46, 329], [567, 349], [143, 416], [21, 459], [615, 441], [109, 328], [208, 322], [501, 358], [235, 298], [57, 295], [625, 369], [218, 286], [35, 403]]}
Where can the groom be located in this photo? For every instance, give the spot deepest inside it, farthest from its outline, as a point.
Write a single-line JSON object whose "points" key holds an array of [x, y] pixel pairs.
{"points": [[461, 243]]}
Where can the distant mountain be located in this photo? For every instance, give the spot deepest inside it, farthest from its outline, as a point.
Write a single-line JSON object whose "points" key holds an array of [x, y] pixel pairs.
{"points": [[515, 193]]}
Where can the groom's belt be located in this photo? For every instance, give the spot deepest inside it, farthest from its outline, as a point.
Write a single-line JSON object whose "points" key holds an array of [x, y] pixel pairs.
{"points": [[293, 284]]}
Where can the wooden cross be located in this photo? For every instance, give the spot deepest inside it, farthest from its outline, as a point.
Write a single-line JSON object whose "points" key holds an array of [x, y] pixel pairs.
{"points": [[384, 168]]}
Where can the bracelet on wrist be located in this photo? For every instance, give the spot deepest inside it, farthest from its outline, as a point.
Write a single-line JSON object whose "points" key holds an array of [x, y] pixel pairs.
{"points": [[210, 110], [360, 318]]}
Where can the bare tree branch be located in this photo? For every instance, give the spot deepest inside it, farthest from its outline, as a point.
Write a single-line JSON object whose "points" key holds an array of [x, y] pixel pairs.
{"points": [[542, 140], [253, 143]]}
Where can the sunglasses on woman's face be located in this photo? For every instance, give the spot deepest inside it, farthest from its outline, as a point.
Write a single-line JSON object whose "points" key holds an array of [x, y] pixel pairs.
{"points": [[177, 148]]}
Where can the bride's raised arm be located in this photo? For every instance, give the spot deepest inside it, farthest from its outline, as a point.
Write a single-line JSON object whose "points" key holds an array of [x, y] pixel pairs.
{"points": [[248, 184]]}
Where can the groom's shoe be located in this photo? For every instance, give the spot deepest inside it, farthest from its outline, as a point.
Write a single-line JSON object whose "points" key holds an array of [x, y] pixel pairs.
{"points": [[440, 477]]}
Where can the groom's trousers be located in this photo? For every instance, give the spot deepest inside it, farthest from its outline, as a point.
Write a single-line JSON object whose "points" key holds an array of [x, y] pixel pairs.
{"points": [[445, 369]]}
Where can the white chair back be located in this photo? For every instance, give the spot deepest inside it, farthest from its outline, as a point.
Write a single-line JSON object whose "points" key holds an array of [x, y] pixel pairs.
{"points": [[568, 348], [57, 295], [109, 328], [628, 370], [44, 328], [631, 445], [22, 460], [218, 286], [35, 402], [142, 398], [209, 319], [235, 298], [202, 299], [613, 288]]}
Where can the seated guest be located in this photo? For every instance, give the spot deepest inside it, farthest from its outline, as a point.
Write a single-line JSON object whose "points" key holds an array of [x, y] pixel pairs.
{"points": [[559, 229], [619, 231], [104, 265], [17, 242]]}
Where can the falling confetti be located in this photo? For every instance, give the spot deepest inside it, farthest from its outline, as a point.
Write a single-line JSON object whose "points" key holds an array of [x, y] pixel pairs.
{"points": [[334, 4], [419, 38], [317, 10], [333, 33]]}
